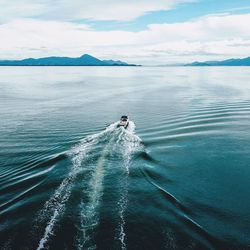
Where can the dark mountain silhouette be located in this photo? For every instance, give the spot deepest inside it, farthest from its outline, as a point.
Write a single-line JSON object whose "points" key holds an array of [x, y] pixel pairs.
{"points": [[229, 62], [84, 60]]}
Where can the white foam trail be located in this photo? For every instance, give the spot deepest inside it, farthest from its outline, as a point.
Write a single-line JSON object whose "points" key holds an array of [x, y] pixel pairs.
{"points": [[56, 204], [123, 202], [89, 212], [130, 143], [48, 230]]}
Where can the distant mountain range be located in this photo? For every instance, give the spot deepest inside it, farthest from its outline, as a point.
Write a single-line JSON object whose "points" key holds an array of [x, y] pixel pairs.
{"points": [[84, 60], [229, 62]]}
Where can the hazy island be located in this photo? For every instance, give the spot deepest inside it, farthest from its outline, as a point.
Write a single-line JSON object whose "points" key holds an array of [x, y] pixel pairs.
{"points": [[84, 60], [229, 62]]}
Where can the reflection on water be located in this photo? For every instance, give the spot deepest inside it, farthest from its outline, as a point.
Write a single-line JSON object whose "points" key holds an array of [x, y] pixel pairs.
{"points": [[177, 181]]}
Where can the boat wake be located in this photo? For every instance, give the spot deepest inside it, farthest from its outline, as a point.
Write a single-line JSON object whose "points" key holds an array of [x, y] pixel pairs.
{"points": [[92, 153], [122, 142]]}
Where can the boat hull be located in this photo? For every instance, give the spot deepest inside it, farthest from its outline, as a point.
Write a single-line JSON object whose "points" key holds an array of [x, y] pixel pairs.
{"points": [[124, 126]]}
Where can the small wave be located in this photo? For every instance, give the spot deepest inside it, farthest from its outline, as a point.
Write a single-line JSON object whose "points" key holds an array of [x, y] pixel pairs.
{"points": [[18, 178], [11, 203], [171, 198], [202, 120], [183, 213]]}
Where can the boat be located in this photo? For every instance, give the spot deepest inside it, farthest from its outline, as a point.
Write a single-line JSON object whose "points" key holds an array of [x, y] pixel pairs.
{"points": [[124, 121]]}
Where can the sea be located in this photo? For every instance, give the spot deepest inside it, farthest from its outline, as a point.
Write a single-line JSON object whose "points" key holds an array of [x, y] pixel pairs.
{"points": [[178, 177]]}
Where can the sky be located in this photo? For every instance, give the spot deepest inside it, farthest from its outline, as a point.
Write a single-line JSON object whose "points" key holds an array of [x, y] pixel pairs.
{"points": [[148, 32]]}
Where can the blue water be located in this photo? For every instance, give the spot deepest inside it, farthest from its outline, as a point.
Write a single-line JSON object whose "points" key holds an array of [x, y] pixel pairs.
{"points": [[177, 178]]}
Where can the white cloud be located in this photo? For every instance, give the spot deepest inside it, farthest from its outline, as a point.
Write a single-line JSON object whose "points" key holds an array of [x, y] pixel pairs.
{"points": [[206, 38], [10, 10], [115, 10]]}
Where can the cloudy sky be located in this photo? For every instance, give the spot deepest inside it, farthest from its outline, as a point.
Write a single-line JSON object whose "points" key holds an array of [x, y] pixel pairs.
{"points": [[149, 32]]}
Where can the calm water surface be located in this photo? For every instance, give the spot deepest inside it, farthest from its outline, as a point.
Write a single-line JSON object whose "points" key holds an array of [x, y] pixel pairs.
{"points": [[177, 178]]}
